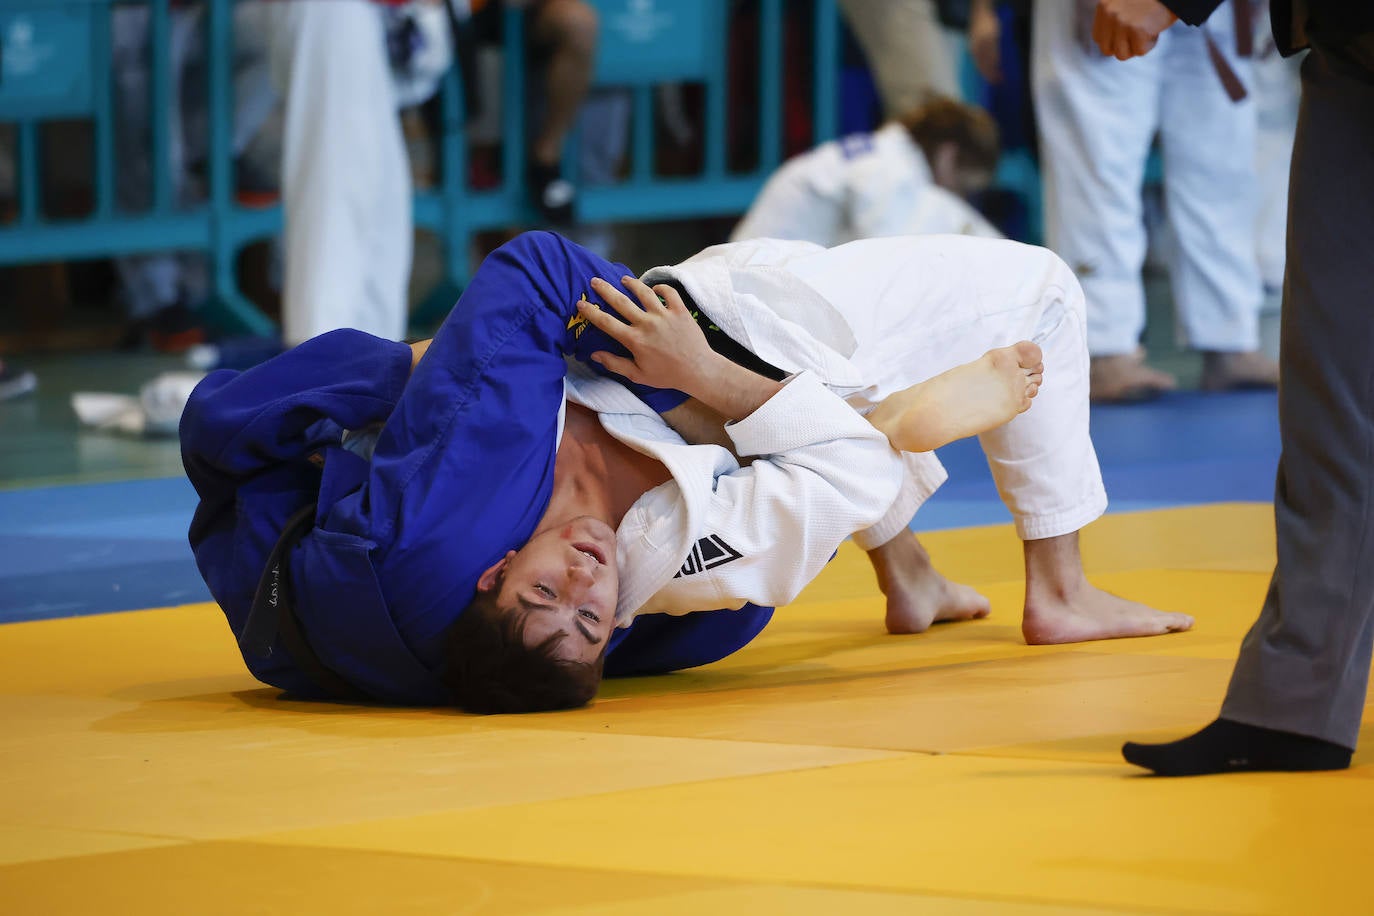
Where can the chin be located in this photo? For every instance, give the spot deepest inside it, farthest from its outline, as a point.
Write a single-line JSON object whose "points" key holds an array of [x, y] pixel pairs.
{"points": [[597, 528]]}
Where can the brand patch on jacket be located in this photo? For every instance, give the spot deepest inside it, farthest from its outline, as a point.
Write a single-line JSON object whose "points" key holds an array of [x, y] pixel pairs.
{"points": [[577, 324], [708, 553]]}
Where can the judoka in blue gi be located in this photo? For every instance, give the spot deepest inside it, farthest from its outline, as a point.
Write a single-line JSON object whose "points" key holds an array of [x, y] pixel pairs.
{"points": [[382, 553], [464, 468]]}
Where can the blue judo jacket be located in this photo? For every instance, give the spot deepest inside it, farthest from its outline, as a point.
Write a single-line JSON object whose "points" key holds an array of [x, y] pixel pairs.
{"points": [[462, 471]]}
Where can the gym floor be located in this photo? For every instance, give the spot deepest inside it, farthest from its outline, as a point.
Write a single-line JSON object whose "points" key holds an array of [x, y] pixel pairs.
{"points": [[826, 768]]}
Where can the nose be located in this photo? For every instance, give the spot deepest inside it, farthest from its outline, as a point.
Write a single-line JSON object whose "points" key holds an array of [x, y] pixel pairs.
{"points": [[581, 573]]}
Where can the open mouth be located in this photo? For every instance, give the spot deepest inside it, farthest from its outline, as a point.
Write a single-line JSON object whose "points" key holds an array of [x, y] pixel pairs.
{"points": [[592, 551]]}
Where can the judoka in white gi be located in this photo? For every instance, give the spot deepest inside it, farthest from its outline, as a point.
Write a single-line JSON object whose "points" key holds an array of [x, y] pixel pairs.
{"points": [[868, 320], [909, 177]]}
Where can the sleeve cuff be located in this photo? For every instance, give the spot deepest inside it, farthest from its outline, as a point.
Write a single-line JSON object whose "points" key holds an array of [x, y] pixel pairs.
{"points": [[803, 413]]}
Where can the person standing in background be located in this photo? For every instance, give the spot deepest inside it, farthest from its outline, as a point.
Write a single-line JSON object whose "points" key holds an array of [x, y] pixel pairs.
{"points": [[344, 67], [1097, 119], [163, 291], [904, 46]]}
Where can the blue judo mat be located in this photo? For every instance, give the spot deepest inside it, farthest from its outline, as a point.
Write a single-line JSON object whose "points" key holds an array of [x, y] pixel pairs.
{"points": [[96, 548]]}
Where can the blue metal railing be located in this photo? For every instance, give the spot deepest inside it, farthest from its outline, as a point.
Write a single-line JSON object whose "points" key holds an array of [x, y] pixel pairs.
{"points": [[52, 30]]}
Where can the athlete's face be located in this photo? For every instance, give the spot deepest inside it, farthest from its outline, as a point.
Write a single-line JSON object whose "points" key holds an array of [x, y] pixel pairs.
{"points": [[564, 581]]}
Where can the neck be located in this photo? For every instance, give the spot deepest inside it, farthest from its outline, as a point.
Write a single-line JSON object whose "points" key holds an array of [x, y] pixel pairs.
{"points": [[596, 474], [578, 488]]}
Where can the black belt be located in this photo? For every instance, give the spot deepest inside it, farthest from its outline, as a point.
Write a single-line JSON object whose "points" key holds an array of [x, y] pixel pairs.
{"points": [[727, 346], [273, 614]]}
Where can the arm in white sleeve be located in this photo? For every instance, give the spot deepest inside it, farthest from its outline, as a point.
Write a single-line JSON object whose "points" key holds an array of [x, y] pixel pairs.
{"points": [[821, 472]]}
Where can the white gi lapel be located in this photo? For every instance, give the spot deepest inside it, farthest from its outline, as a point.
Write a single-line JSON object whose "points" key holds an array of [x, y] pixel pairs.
{"points": [[656, 534]]}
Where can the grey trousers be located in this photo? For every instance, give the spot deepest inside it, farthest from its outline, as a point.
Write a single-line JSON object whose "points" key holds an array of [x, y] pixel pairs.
{"points": [[1304, 666]]}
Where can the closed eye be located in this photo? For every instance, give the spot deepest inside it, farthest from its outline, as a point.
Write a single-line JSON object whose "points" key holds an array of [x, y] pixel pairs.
{"points": [[589, 614]]}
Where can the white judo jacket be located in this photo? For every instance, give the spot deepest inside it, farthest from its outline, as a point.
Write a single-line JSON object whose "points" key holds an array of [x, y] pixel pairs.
{"points": [[748, 292], [720, 534], [877, 316]]}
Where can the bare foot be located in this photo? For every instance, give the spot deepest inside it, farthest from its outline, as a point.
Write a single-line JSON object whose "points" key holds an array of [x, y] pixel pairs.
{"points": [[1232, 371], [1063, 606], [917, 595], [1092, 614], [964, 401], [1124, 377]]}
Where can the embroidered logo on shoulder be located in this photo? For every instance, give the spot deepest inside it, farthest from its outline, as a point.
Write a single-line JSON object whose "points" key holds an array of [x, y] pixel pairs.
{"points": [[576, 323], [708, 553]]}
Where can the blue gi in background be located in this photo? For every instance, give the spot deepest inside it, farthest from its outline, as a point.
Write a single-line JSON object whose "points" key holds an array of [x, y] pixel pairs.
{"points": [[462, 472]]}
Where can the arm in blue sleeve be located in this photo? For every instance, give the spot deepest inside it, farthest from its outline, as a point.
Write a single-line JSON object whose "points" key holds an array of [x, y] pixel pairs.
{"points": [[238, 423], [473, 435], [557, 273]]}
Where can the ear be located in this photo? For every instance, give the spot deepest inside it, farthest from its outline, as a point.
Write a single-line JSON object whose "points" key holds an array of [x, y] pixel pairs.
{"points": [[491, 576], [944, 165]]}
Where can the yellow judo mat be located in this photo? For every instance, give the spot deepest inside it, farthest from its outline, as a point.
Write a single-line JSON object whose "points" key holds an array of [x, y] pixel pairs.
{"points": [[827, 768]]}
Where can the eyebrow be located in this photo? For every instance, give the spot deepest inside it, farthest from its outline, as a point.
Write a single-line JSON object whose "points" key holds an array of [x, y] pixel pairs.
{"points": [[529, 605]]}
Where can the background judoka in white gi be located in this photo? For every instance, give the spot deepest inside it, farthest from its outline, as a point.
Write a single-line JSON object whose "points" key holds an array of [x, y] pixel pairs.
{"points": [[866, 185]]}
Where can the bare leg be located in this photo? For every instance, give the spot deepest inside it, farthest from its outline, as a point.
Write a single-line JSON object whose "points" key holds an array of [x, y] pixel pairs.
{"points": [[963, 401], [917, 595], [568, 28], [1062, 606]]}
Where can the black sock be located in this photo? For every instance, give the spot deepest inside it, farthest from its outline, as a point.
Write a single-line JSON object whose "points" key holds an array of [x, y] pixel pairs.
{"points": [[1232, 747], [554, 196]]}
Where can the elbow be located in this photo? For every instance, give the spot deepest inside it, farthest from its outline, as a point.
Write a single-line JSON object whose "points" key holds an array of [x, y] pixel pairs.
{"points": [[197, 424], [532, 244]]}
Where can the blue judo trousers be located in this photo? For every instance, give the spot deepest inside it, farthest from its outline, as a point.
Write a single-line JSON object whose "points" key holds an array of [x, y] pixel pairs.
{"points": [[461, 473]]}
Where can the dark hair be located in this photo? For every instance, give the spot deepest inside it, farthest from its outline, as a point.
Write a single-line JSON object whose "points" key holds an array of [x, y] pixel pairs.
{"points": [[489, 669], [972, 130]]}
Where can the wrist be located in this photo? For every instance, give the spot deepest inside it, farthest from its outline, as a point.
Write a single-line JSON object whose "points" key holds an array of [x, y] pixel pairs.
{"points": [[735, 392], [703, 378]]}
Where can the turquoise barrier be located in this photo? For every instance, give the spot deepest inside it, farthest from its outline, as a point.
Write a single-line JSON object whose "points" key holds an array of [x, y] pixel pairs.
{"points": [[55, 63]]}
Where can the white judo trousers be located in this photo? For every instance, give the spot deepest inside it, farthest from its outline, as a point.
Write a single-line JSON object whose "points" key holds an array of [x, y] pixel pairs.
{"points": [[865, 185], [346, 190], [918, 306], [1097, 117]]}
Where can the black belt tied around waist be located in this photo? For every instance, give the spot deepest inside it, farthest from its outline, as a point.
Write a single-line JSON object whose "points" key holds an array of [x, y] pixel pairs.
{"points": [[723, 344], [273, 614]]}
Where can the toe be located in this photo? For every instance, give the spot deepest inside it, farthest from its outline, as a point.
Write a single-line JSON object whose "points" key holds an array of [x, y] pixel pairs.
{"points": [[1028, 354]]}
